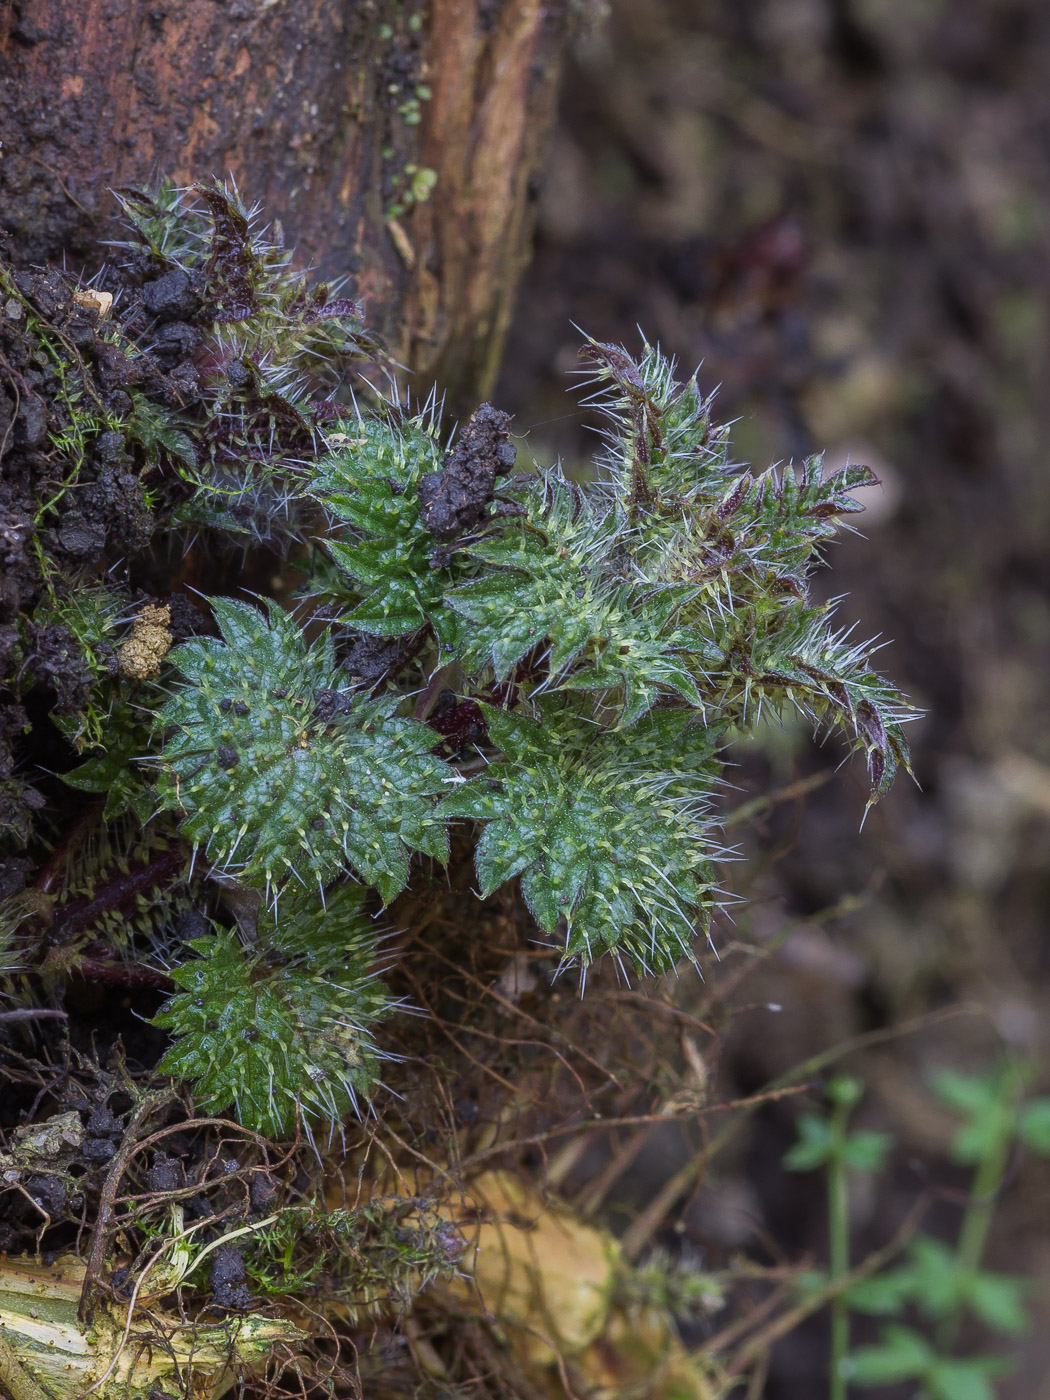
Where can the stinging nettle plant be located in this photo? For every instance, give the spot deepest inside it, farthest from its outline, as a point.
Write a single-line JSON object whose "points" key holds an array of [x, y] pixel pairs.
{"points": [[553, 666]]}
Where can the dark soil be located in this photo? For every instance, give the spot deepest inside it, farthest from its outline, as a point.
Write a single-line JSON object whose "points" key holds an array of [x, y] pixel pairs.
{"points": [[226, 1277], [75, 494]]}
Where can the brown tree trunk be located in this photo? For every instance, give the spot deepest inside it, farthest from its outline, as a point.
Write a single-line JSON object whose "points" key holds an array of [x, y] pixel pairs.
{"points": [[326, 111]]}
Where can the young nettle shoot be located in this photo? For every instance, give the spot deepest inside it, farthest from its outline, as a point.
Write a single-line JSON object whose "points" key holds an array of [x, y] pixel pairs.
{"points": [[605, 640], [553, 666]]}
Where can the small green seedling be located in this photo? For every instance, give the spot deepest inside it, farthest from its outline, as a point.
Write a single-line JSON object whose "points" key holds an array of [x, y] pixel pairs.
{"points": [[937, 1282]]}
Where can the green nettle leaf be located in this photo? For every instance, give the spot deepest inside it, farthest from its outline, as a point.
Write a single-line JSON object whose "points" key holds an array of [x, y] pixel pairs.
{"points": [[607, 829], [370, 481], [544, 582], [160, 434], [785, 514], [662, 445], [279, 770], [282, 1028], [116, 771], [787, 653]]}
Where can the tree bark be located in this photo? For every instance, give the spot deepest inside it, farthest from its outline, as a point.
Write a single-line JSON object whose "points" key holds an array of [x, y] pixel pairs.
{"points": [[328, 112]]}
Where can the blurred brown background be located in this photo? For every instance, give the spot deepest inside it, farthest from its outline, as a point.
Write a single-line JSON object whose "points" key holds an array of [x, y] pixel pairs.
{"points": [[840, 208]]}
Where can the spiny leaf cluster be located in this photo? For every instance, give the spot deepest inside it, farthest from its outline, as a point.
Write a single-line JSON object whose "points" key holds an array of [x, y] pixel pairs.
{"points": [[605, 639], [555, 665], [748, 545], [280, 1029], [608, 829], [269, 349], [371, 482]]}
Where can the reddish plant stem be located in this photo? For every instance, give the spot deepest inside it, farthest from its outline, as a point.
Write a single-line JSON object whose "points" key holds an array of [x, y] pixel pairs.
{"points": [[96, 968], [119, 893]]}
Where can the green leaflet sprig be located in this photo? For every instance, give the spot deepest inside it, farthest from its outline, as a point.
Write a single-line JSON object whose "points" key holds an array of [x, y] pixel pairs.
{"points": [[279, 770]]}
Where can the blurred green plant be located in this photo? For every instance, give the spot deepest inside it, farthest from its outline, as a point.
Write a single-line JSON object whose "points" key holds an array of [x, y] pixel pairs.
{"points": [[940, 1282]]}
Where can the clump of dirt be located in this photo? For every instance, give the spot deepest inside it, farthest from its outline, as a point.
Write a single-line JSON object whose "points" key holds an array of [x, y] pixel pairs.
{"points": [[226, 1276], [372, 659], [72, 477], [83, 483], [458, 497]]}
